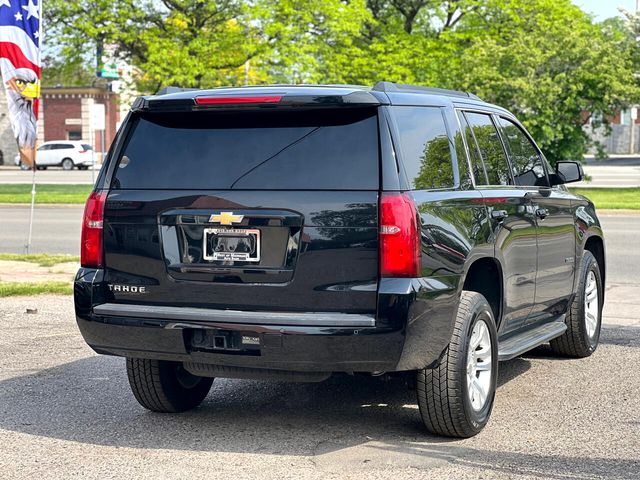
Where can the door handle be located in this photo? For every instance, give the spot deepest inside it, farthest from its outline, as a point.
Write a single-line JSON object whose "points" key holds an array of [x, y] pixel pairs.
{"points": [[499, 215], [531, 195], [542, 213]]}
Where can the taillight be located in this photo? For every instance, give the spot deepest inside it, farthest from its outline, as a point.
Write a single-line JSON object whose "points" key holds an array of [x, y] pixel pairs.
{"points": [[399, 236], [246, 99], [91, 243]]}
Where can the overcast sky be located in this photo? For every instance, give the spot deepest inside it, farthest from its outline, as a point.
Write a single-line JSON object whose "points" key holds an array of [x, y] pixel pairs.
{"points": [[605, 8]]}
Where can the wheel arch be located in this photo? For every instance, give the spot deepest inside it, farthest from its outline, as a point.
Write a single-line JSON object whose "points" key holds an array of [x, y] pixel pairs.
{"points": [[482, 275], [595, 244]]}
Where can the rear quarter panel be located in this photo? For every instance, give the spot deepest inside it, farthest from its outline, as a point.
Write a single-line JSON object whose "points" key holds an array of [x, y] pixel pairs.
{"points": [[455, 231]]}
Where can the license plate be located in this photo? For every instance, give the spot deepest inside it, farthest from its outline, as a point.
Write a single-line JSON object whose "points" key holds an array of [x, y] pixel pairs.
{"points": [[231, 244]]}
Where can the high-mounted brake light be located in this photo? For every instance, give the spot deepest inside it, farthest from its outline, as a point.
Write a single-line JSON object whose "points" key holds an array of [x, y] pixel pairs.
{"points": [[91, 243], [232, 100], [399, 236]]}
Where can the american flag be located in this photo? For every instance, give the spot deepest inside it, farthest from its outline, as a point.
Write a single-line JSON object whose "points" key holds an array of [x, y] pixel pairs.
{"points": [[20, 34]]}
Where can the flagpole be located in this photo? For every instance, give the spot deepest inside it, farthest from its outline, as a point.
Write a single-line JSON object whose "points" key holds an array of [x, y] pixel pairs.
{"points": [[33, 177], [33, 204]]}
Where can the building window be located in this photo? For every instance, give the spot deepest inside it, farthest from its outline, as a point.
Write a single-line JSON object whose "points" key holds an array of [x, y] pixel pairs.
{"points": [[74, 135], [625, 117]]}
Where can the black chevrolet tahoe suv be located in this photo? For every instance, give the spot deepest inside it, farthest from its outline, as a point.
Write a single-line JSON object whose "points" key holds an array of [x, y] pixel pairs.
{"points": [[291, 232]]}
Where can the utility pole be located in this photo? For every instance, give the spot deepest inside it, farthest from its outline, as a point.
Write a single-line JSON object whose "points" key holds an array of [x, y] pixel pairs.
{"points": [[633, 115]]}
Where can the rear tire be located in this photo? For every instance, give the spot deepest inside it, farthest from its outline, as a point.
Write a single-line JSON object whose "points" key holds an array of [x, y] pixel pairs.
{"points": [[67, 164], [456, 396], [166, 387], [584, 317]]}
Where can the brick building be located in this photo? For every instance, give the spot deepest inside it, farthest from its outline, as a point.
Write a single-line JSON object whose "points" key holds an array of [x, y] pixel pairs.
{"points": [[66, 114]]}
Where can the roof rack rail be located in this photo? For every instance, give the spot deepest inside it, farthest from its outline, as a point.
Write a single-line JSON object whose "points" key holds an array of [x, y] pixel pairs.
{"points": [[168, 90], [401, 87]]}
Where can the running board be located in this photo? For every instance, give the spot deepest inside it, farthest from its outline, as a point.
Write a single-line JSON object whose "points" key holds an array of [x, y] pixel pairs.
{"points": [[525, 341]]}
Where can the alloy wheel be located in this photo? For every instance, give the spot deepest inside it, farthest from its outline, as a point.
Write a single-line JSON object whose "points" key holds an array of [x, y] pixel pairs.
{"points": [[591, 304], [479, 366]]}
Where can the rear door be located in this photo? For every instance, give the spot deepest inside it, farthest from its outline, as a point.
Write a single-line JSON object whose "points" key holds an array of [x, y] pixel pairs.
{"points": [[268, 210], [513, 220]]}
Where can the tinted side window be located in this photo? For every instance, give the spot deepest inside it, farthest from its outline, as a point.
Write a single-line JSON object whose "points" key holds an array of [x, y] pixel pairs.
{"points": [[490, 147], [61, 146], [525, 160], [270, 150], [426, 151], [474, 154]]}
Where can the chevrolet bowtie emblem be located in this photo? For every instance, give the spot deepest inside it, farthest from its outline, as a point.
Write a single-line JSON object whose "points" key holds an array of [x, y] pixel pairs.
{"points": [[225, 218]]}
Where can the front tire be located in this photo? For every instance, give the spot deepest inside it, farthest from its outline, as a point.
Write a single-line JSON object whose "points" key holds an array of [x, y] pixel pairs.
{"points": [[166, 387], [584, 317], [456, 396]]}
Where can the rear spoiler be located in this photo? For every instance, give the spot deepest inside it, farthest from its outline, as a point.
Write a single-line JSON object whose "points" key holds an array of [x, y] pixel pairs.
{"points": [[183, 100]]}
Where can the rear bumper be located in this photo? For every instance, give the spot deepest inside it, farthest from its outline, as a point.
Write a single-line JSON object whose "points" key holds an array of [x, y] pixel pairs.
{"points": [[411, 329], [281, 347]]}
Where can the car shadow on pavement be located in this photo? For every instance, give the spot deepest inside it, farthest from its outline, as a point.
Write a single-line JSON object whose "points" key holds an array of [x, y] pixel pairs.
{"points": [[610, 335], [89, 401], [512, 464], [620, 336]]}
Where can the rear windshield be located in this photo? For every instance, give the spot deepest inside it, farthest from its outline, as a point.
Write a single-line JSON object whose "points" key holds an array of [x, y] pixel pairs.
{"points": [[316, 150]]}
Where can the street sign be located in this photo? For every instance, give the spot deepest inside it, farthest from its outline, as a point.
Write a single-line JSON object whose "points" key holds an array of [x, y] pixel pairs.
{"points": [[109, 71], [108, 62], [98, 114], [634, 113]]}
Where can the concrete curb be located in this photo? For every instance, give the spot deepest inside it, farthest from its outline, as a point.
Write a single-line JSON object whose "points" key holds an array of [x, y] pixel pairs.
{"points": [[617, 213]]}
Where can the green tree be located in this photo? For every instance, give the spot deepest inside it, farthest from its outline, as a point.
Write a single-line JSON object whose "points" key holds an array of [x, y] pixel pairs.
{"points": [[202, 43], [545, 60], [192, 43], [67, 71]]}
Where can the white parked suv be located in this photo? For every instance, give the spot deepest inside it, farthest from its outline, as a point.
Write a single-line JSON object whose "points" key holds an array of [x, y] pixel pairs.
{"points": [[63, 153]]}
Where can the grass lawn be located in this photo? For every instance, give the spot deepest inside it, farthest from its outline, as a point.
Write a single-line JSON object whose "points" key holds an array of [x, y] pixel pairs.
{"points": [[604, 198], [45, 193], [612, 198], [42, 259], [8, 289]]}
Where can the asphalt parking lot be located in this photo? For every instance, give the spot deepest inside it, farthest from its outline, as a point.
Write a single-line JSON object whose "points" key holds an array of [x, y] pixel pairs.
{"points": [[66, 412]]}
